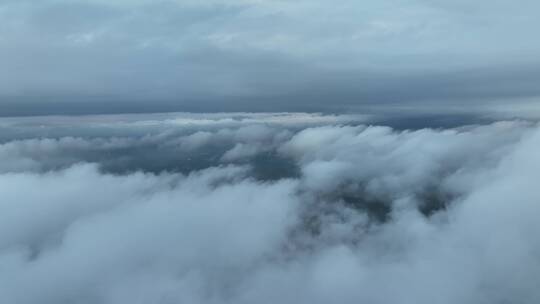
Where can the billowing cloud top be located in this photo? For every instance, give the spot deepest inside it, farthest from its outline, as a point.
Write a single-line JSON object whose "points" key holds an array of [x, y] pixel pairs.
{"points": [[267, 208], [60, 56]]}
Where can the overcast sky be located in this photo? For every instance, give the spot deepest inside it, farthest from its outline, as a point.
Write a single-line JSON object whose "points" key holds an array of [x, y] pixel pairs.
{"points": [[247, 55]]}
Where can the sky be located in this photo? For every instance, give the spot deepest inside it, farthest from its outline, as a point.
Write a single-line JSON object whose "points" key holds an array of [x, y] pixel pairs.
{"points": [[87, 57], [250, 151]]}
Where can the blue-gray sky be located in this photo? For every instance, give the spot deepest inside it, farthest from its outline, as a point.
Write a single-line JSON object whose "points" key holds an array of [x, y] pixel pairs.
{"points": [[248, 55]]}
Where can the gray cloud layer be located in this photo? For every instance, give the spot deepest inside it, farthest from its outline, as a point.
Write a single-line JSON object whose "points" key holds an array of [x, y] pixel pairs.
{"points": [[374, 215], [141, 55]]}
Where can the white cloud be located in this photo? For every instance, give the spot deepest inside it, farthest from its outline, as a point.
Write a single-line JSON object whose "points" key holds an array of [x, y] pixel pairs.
{"points": [[135, 227], [219, 235], [173, 136]]}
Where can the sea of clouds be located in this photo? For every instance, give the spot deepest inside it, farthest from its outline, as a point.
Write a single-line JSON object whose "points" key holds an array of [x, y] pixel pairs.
{"points": [[267, 208]]}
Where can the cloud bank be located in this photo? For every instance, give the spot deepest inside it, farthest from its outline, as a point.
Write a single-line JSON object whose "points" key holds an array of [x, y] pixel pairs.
{"points": [[358, 212]]}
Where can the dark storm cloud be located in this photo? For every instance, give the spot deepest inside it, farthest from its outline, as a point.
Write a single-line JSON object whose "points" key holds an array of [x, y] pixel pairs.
{"points": [[143, 56]]}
